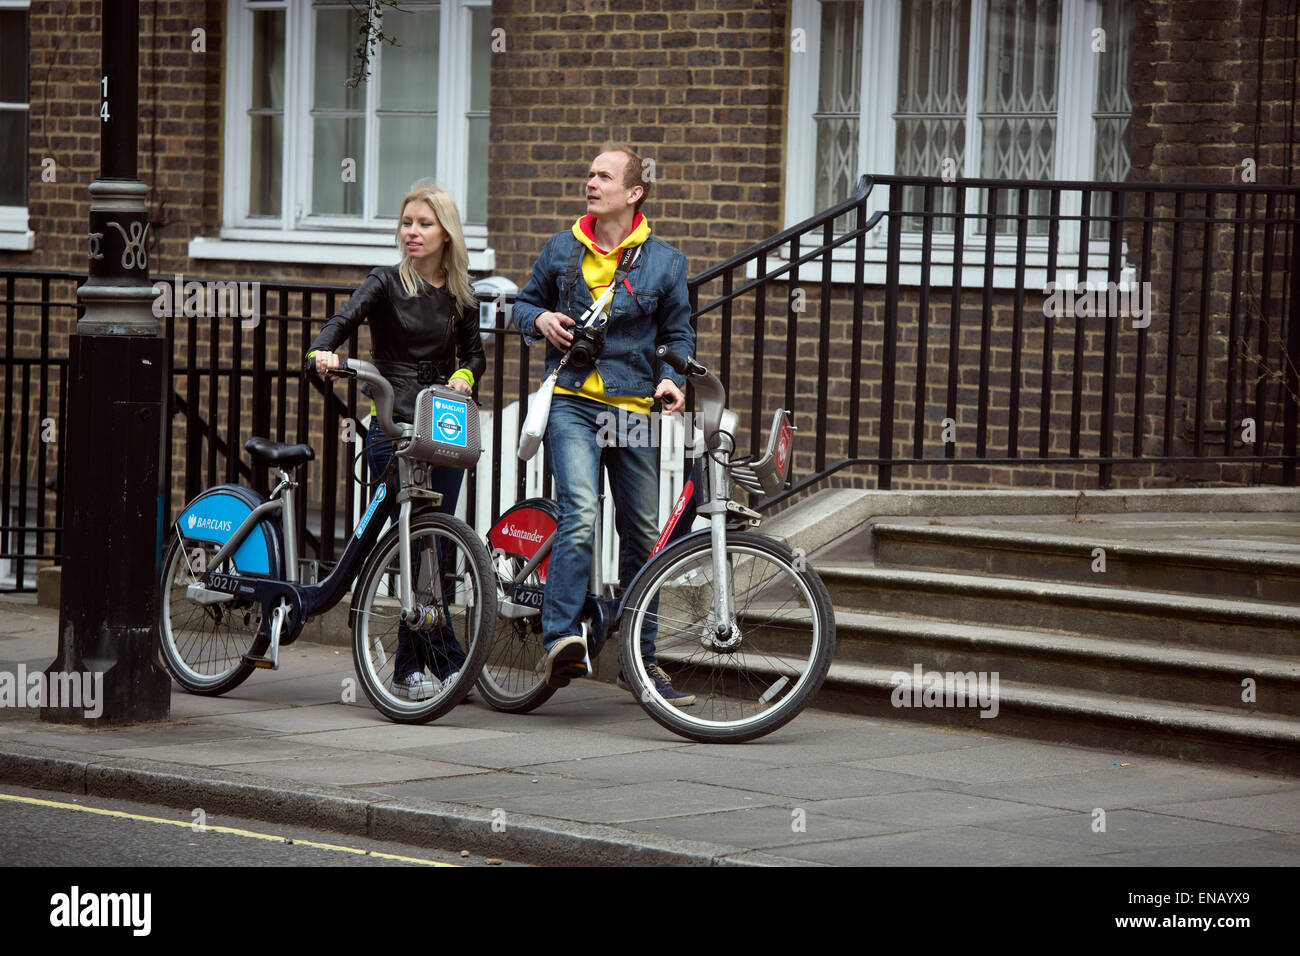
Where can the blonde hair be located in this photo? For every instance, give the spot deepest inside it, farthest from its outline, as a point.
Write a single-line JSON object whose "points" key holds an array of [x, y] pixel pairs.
{"points": [[455, 256]]}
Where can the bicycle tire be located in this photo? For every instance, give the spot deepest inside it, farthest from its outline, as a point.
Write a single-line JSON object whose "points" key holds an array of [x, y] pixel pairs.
{"points": [[511, 680], [783, 619], [203, 646], [471, 609]]}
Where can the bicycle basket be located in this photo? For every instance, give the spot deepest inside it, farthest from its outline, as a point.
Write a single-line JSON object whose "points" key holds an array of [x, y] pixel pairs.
{"points": [[446, 428], [770, 473]]}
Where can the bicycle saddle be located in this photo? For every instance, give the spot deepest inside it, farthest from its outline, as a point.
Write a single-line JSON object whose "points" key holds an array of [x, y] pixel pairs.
{"points": [[269, 452]]}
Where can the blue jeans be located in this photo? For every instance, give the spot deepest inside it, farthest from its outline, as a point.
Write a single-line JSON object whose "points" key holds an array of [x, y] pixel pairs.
{"points": [[573, 451], [438, 651]]}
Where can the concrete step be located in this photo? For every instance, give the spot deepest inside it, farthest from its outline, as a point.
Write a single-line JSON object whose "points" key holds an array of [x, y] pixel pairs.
{"points": [[1154, 617], [1171, 673], [1126, 724], [1073, 558]]}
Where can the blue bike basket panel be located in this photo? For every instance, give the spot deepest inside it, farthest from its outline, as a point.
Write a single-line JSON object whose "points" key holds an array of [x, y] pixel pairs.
{"points": [[216, 516]]}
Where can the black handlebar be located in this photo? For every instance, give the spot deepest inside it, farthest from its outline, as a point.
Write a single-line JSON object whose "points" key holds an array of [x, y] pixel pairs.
{"points": [[682, 366]]}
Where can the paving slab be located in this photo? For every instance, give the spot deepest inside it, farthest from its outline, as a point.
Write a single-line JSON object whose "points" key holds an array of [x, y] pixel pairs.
{"points": [[772, 828], [353, 769], [484, 788], [930, 808], [1147, 783], [1021, 760], [1278, 811], [946, 846], [535, 750], [1265, 851], [1128, 830], [386, 737], [650, 801]]}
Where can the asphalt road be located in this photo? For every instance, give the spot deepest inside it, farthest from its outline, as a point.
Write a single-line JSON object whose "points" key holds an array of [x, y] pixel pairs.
{"points": [[45, 829]]}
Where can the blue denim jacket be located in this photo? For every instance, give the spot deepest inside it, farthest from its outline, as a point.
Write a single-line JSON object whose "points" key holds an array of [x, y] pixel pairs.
{"points": [[656, 312]]}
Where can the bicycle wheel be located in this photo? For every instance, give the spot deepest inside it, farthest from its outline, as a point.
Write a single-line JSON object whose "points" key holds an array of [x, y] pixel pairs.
{"points": [[451, 577], [512, 679], [203, 645], [746, 683]]}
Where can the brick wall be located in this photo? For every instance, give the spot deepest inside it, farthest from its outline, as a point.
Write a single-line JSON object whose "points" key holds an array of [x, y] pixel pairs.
{"points": [[696, 85]]}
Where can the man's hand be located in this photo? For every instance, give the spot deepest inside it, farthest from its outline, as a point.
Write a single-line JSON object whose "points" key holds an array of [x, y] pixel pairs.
{"points": [[674, 400], [460, 385], [555, 326], [325, 361]]}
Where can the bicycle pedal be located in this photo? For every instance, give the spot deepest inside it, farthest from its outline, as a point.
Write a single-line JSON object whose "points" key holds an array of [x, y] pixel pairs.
{"points": [[262, 662]]}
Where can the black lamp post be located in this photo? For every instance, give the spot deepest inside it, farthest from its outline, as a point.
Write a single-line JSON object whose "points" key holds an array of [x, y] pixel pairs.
{"points": [[108, 619]]}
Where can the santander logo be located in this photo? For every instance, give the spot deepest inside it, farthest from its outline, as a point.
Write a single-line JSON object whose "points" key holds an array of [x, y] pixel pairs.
{"points": [[510, 531]]}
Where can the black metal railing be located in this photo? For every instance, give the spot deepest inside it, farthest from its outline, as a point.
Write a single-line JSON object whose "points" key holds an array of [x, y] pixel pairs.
{"points": [[932, 372], [888, 363]]}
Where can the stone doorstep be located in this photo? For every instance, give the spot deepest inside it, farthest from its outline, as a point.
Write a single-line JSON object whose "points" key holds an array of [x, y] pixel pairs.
{"points": [[833, 513]]}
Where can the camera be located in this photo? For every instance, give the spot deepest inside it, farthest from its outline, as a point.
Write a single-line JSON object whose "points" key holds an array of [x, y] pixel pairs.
{"points": [[587, 343]]}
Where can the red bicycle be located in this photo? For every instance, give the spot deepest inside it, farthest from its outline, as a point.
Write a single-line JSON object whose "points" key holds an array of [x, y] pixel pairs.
{"points": [[742, 623]]}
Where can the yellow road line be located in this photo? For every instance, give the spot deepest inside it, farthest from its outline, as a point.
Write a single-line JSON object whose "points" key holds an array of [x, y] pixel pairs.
{"points": [[215, 829]]}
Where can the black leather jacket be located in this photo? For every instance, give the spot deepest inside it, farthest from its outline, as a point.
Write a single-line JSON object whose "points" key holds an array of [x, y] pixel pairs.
{"points": [[429, 327]]}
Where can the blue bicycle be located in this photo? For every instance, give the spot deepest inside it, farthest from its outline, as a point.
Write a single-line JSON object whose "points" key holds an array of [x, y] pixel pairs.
{"points": [[425, 603]]}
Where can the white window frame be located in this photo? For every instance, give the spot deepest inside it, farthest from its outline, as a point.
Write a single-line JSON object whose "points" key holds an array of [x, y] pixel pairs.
{"points": [[1077, 78], [323, 239], [15, 232]]}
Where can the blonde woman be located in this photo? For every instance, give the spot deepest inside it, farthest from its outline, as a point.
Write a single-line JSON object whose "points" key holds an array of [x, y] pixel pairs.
{"points": [[424, 329]]}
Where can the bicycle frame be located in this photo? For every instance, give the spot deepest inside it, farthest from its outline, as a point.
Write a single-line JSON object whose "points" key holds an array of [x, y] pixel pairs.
{"points": [[283, 599], [604, 610]]}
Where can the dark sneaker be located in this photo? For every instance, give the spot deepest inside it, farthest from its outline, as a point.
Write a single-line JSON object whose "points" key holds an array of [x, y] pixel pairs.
{"points": [[566, 660], [663, 686]]}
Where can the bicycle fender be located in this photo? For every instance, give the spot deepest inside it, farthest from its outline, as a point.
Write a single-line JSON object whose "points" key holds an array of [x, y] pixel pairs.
{"points": [[216, 515]]}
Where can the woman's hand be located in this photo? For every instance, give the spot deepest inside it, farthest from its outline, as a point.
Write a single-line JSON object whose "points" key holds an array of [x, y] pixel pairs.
{"points": [[325, 361], [460, 385]]}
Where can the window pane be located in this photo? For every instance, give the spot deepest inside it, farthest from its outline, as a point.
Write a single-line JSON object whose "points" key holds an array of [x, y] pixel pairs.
{"points": [[1111, 163], [13, 170], [264, 172], [480, 76], [1019, 104], [930, 123], [13, 123], [476, 205], [338, 31], [335, 139], [13, 56], [266, 114], [407, 152], [409, 78], [838, 103], [268, 59], [1018, 115]]}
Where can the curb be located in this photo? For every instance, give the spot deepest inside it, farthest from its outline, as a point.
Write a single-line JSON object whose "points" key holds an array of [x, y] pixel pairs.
{"points": [[447, 826]]}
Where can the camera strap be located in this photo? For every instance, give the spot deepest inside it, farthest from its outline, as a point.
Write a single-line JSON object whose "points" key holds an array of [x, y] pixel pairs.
{"points": [[601, 304]]}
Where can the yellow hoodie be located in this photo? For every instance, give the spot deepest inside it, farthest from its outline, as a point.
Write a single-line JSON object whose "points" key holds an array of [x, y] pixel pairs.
{"points": [[598, 268]]}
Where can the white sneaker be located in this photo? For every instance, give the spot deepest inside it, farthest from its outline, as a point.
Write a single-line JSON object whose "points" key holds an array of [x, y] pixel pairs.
{"points": [[417, 686]]}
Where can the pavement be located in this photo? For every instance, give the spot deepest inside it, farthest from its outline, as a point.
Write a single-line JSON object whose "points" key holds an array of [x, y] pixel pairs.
{"points": [[589, 779]]}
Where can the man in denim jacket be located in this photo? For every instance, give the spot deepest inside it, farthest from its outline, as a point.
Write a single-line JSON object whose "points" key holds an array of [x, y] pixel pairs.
{"points": [[649, 308]]}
